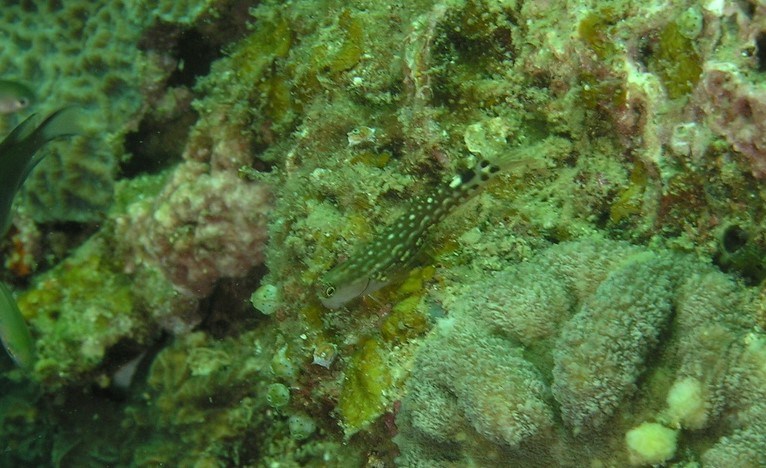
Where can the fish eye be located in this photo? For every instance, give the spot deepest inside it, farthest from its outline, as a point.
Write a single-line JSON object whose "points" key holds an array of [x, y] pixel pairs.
{"points": [[329, 291], [23, 102]]}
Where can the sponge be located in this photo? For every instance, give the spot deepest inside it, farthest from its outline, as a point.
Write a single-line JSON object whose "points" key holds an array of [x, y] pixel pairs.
{"points": [[651, 443], [686, 404]]}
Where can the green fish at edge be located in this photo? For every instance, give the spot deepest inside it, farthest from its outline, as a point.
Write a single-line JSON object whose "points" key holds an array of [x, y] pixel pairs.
{"points": [[14, 96], [17, 159]]}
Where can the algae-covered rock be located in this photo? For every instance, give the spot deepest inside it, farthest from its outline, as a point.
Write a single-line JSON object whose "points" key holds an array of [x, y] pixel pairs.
{"points": [[80, 309]]}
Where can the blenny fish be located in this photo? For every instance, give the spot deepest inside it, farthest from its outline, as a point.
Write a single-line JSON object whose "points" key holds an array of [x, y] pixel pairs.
{"points": [[393, 249]]}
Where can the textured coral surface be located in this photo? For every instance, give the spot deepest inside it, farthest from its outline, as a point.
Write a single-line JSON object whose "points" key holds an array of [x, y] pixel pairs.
{"points": [[82, 54], [539, 359], [599, 303]]}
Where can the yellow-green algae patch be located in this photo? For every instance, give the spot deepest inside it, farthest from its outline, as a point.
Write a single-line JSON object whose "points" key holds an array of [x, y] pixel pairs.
{"points": [[628, 203], [676, 61], [363, 396], [595, 31], [375, 372], [78, 309], [350, 51], [254, 54], [203, 382], [407, 319]]}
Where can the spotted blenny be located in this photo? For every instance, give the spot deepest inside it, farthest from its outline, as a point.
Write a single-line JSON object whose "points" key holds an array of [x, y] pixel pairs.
{"points": [[393, 249]]}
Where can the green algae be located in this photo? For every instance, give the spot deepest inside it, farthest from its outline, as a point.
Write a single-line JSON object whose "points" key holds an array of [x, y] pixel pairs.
{"points": [[628, 203], [352, 46], [75, 325], [371, 377], [372, 158], [408, 319], [676, 61], [363, 394], [252, 55], [595, 30], [200, 381]]}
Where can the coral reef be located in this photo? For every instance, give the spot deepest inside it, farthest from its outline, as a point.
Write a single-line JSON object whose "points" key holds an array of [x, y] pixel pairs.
{"points": [[93, 56], [84, 54], [204, 225], [184, 12], [253, 145], [735, 110], [205, 377], [75, 328], [558, 359], [729, 93]]}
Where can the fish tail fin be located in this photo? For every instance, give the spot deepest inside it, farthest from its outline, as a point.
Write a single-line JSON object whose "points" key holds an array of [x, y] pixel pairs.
{"points": [[62, 123], [14, 333]]}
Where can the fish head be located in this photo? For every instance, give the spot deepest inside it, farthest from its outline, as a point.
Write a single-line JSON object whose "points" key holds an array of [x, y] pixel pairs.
{"points": [[333, 295], [14, 97], [11, 104]]}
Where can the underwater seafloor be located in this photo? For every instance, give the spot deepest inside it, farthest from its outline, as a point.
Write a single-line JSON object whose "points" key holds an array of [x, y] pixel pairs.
{"points": [[600, 304]]}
